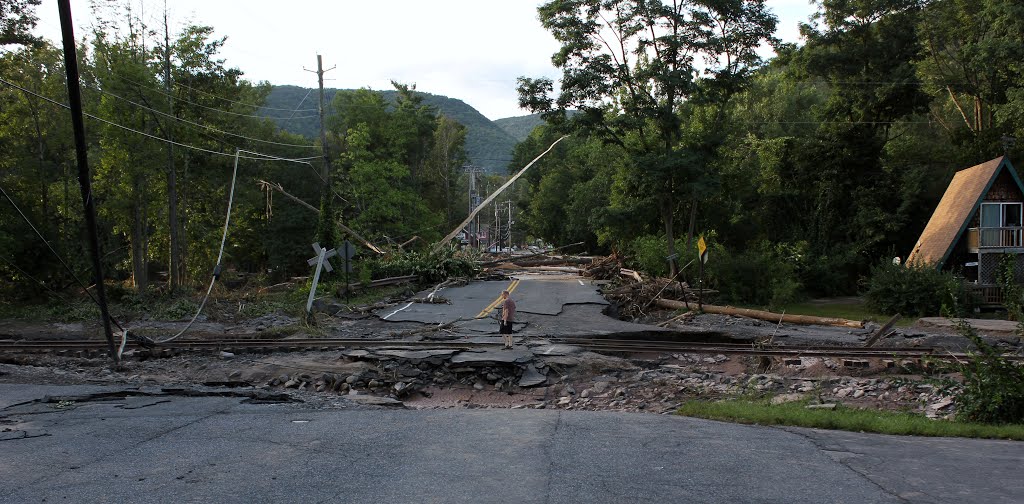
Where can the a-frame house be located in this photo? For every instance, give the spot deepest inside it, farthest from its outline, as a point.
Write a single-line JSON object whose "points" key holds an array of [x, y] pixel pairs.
{"points": [[977, 222]]}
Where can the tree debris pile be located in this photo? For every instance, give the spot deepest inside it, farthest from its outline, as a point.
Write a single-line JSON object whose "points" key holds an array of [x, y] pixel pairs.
{"points": [[607, 268]]}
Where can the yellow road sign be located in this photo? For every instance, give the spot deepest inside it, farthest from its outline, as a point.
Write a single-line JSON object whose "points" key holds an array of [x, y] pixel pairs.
{"points": [[702, 250]]}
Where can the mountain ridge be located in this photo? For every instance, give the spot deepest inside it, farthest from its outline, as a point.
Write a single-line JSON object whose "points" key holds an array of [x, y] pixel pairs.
{"points": [[489, 143]]}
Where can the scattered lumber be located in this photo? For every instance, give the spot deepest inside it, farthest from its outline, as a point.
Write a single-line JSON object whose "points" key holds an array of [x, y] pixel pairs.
{"points": [[430, 328], [630, 274], [765, 315], [882, 331], [684, 316], [431, 300]]}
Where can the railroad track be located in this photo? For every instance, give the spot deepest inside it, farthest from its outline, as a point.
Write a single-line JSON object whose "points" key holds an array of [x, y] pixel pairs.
{"points": [[88, 347]]}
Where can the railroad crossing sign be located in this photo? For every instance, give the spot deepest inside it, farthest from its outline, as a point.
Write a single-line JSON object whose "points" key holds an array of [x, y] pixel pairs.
{"points": [[321, 261], [327, 256]]}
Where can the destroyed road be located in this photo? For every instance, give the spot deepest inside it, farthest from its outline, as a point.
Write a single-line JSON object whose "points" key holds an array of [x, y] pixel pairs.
{"points": [[160, 447], [550, 305]]}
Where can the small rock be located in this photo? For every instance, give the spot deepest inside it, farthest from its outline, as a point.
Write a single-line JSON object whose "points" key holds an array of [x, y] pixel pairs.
{"points": [[858, 394], [478, 386], [844, 392], [564, 400], [373, 384], [227, 355], [292, 383], [826, 406], [585, 393], [235, 374], [785, 398]]}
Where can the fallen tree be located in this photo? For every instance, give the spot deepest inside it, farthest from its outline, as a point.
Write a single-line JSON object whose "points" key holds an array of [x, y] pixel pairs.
{"points": [[763, 315]]}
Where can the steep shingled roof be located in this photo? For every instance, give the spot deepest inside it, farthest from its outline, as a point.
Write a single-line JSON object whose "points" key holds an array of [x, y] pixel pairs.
{"points": [[965, 192]]}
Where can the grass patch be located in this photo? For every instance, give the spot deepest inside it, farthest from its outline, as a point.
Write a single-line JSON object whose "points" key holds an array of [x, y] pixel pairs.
{"points": [[796, 414], [846, 308]]}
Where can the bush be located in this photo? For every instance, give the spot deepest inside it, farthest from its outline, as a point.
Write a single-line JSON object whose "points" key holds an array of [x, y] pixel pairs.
{"points": [[763, 275], [914, 290], [648, 254], [993, 389], [431, 267]]}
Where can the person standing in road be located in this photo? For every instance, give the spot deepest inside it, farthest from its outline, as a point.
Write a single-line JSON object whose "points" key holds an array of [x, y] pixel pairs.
{"points": [[508, 314]]}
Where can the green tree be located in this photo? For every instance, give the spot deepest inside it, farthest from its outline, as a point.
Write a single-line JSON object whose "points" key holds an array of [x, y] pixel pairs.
{"points": [[972, 67], [628, 65], [17, 19]]}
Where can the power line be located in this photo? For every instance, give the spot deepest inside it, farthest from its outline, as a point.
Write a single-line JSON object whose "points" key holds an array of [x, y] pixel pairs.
{"points": [[264, 107], [154, 137], [211, 128], [28, 59], [263, 157]]}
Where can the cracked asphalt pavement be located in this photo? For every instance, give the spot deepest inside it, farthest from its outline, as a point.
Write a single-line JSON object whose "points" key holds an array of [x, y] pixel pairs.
{"points": [[174, 448]]}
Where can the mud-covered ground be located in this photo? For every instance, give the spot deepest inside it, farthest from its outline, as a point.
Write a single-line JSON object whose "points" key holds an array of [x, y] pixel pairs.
{"points": [[534, 377]]}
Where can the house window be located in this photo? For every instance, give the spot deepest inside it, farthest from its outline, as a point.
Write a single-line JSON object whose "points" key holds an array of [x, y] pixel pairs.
{"points": [[1001, 215]]}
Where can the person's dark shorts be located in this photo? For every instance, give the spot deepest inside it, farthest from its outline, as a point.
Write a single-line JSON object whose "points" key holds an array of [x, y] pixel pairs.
{"points": [[506, 327]]}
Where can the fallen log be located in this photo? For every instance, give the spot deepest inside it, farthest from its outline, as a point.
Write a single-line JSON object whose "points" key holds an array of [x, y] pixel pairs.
{"points": [[765, 315], [353, 287], [527, 256], [552, 261]]}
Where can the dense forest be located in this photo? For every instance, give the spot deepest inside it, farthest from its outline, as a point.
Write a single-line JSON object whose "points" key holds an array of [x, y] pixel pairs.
{"points": [[802, 171]]}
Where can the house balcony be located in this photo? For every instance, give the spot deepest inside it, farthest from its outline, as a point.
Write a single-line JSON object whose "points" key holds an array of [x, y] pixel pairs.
{"points": [[995, 239]]}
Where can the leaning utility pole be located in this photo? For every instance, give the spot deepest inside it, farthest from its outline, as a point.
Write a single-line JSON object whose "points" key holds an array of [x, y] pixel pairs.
{"points": [[324, 226], [81, 153]]}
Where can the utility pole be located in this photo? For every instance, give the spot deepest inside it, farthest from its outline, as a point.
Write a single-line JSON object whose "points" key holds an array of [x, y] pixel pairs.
{"points": [[177, 273], [497, 229], [324, 226], [473, 229], [81, 154], [509, 226]]}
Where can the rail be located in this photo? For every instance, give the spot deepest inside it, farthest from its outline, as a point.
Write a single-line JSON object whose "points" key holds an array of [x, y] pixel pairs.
{"points": [[593, 344]]}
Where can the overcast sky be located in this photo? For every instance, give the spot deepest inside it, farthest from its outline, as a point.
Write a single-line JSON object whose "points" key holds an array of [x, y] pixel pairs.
{"points": [[472, 50]]}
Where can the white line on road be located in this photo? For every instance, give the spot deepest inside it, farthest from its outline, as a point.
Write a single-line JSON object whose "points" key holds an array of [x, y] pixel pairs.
{"points": [[398, 310], [580, 281]]}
